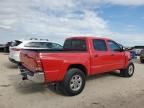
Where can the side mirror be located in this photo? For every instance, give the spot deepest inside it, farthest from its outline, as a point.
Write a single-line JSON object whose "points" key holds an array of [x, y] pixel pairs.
{"points": [[127, 48], [119, 50], [124, 49]]}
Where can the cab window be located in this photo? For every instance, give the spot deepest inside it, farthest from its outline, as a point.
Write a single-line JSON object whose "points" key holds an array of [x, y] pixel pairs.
{"points": [[114, 46], [99, 45], [75, 45]]}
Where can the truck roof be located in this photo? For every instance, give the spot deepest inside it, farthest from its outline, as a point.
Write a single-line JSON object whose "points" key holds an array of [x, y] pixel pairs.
{"points": [[88, 37]]}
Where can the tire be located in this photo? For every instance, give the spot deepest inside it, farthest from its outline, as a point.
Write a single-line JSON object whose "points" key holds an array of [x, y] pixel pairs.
{"points": [[73, 83], [128, 72]]}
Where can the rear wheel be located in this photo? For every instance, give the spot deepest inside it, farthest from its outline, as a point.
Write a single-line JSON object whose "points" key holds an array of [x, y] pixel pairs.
{"points": [[127, 72], [74, 82]]}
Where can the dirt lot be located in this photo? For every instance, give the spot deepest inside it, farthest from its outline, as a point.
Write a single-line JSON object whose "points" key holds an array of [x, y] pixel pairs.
{"points": [[101, 91]]}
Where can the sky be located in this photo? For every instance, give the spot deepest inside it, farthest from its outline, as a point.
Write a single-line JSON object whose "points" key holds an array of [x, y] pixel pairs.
{"points": [[120, 20]]}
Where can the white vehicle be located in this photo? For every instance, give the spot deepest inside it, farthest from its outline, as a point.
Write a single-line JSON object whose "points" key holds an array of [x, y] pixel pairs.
{"points": [[18, 45]]}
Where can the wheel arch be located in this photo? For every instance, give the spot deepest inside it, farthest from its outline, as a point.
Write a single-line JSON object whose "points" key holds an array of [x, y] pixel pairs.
{"points": [[79, 66]]}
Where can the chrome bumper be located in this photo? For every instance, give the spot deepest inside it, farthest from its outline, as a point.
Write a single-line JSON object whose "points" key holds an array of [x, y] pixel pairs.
{"points": [[37, 77]]}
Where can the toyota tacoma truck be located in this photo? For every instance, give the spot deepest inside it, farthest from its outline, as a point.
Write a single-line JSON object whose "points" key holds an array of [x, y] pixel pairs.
{"points": [[79, 58], [142, 56]]}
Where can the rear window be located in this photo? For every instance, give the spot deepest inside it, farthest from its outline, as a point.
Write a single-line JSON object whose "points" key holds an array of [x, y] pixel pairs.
{"points": [[75, 45], [16, 43], [48, 45]]}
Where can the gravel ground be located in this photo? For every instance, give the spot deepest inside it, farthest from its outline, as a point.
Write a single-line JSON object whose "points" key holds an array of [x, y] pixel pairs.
{"points": [[101, 91]]}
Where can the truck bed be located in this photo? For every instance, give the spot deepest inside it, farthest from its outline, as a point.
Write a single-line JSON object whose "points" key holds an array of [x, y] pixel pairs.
{"points": [[30, 56], [53, 50]]}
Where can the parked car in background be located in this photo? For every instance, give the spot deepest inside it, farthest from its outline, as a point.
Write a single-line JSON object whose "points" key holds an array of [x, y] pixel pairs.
{"points": [[133, 54], [7, 46], [138, 51], [80, 57], [142, 56], [18, 45], [2, 46]]}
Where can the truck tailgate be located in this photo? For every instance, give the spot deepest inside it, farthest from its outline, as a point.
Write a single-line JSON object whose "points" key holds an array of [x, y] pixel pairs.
{"points": [[28, 59]]}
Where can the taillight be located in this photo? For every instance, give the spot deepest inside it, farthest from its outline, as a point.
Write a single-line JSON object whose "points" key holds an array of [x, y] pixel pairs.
{"points": [[15, 49], [38, 64]]}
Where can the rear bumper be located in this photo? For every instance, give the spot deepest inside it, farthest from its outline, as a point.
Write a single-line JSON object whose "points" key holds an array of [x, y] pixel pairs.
{"points": [[37, 77], [13, 61], [15, 56]]}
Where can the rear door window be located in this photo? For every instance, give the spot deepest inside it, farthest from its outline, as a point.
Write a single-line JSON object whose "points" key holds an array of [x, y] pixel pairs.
{"points": [[34, 44], [56, 46], [99, 45]]}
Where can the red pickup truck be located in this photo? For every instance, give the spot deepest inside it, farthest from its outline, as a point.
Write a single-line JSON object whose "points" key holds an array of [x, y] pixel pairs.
{"points": [[79, 58]]}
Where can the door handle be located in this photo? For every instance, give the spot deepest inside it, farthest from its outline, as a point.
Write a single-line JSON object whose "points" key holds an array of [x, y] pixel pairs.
{"points": [[112, 54], [96, 55]]}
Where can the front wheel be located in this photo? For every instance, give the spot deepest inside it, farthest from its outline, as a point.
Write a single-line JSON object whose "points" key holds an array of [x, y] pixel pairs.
{"points": [[128, 72], [74, 82]]}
